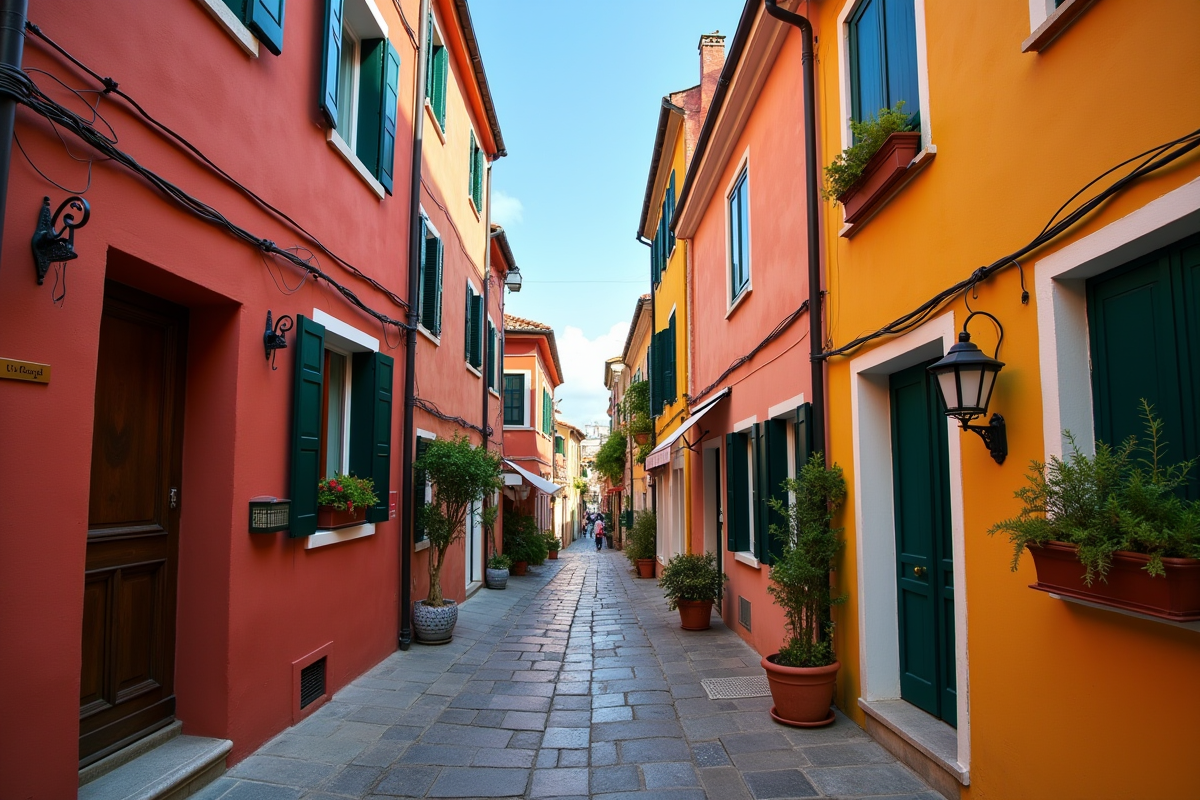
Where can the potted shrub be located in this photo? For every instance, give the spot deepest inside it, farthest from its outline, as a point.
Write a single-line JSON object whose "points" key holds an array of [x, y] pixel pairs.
{"points": [[460, 474], [495, 576], [519, 530], [635, 407], [692, 584], [803, 674], [552, 544], [1112, 528], [640, 543], [861, 175], [343, 500]]}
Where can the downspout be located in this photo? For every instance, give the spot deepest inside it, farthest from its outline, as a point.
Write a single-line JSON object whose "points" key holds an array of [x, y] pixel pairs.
{"points": [[410, 351], [812, 195], [487, 285], [12, 48]]}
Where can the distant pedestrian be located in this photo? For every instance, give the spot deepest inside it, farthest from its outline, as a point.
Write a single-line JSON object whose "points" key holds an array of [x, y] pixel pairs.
{"points": [[599, 534]]}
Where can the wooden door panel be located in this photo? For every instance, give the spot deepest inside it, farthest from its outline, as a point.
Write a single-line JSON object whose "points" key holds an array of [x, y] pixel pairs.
{"points": [[127, 670]]}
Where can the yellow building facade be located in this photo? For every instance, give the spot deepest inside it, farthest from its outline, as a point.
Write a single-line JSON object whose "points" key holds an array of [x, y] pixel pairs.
{"points": [[985, 687]]}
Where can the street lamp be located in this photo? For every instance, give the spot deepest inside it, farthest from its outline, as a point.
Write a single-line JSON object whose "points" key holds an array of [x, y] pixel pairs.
{"points": [[512, 279], [966, 377]]}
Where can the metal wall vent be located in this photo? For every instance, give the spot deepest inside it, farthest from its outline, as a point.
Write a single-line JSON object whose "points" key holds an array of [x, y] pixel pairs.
{"points": [[743, 612], [312, 682]]}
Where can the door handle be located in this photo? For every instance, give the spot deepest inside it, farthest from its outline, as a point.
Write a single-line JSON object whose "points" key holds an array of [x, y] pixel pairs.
{"points": [[173, 498], [919, 572]]}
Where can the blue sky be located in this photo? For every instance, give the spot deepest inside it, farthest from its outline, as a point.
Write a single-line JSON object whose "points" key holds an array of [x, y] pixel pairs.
{"points": [[577, 89]]}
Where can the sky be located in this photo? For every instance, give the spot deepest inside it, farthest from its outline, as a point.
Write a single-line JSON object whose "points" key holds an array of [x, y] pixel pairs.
{"points": [[577, 88]]}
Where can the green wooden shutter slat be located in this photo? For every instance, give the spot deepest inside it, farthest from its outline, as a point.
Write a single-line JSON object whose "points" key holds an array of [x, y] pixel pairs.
{"points": [[371, 426], [418, 499], [670, 212], [476, 350], [438, 313], [671, 379], [480, 171], [370, 105], [491, 356], [802, 435], [467, 322], [331, 61], [307, 391], [775, 433], [439, 84], [739, 491], [390, 101], [265, 19]]}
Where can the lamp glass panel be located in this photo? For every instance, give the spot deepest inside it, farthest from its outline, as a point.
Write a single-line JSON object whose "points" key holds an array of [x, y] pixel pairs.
{"points": [[949, 385], [969, 380], [989, 383]]}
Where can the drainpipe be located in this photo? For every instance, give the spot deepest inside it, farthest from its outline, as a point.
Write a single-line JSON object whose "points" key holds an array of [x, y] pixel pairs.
{"points": [[487, 285], [12, 48], [815, 327], [410, 350]]}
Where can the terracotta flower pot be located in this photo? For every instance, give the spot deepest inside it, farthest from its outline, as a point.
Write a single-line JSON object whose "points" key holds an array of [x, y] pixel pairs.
{"points": [[518, 567], [642, 438], [803, 695], [695, 615], [645, 567], [1175, 596], [329, 518], [883, 171], [553, 555]]}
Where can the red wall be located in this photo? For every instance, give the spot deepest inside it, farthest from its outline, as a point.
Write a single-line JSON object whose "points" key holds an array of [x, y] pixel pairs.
{"points": [[248, 606]]}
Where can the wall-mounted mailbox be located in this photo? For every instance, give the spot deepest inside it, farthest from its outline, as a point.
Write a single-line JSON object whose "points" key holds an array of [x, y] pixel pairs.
{"points": [[270, 514]]}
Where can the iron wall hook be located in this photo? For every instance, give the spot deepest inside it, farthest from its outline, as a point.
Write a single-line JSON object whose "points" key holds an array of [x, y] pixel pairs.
{"points": [[52, 246]]}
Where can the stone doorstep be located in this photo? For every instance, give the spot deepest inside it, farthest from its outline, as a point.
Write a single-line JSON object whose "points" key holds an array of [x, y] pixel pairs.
{"points": [[922, 742], [174, 769]]}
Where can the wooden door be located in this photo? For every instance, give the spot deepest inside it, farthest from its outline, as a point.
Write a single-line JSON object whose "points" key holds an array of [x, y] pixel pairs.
{"points": [[924, 553], [128, 663]]}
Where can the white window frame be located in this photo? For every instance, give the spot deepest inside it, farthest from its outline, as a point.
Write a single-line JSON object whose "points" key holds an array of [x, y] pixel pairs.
{"points": [[529, 391], [363, 19], [733, 301], [343, 338], [232, 25], [747, 557], [438, 40]]}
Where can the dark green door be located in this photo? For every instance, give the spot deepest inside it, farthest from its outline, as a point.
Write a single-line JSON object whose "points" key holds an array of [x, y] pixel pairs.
{"points": [[924, 555]]}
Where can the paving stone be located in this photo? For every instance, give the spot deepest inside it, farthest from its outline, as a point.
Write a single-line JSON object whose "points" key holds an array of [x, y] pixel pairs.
{"points": [[508, 757], [517, 702], [250, 790], [670, 775], [401, 733], [438, 754], [353, 780], [524, 720], [407, 781], [612, 714], [835, 755], [566, 738], [603, 753], [608, 700], [644, 751], [754, 742], [573, 758], [724, 783], [526, 739], [547, 758], [559, 782], [666, 712], [623, 778], [769, 759], [784, 783], [636, 729], [710, 754], [287, 771], [569, 719], [381, 754], [570, 703], [655, 794], [866, 780]]}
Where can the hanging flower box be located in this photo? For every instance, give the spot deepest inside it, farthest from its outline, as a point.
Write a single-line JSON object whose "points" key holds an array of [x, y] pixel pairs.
{"points": [[1174, 597], [330, 518], [880, 175]]}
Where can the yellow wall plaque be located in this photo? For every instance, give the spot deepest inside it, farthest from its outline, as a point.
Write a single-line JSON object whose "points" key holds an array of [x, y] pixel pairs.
{"points": [[13, 370]]}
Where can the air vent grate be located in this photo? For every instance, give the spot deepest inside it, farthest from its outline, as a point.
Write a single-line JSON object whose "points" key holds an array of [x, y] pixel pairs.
{"points": [[312, 682], [743, 612]]}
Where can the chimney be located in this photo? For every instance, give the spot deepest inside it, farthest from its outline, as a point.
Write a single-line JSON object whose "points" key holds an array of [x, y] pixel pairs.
{"points": [[712, 61]]}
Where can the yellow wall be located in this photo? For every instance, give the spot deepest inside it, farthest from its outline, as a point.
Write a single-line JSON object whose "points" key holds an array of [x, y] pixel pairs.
{"points": [[1065, 701]]}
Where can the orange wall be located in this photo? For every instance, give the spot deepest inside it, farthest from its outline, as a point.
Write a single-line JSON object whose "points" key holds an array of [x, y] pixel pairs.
{"points": [[529, 447]]}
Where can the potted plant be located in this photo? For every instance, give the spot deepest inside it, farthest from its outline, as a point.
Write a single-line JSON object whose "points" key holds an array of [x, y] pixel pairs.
{"points": [[460, 474], [552, 544], [1112, 528], [640, 543], [802, 675], [861, 175], [519, 531], [635, 407], [343, 500], [495, 576], [692, 583]]}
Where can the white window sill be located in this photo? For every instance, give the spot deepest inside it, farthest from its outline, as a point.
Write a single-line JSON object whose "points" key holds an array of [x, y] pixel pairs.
{"points": [[436, 341], [471, 369], [493, 393], [232, 25], [1054, 24], [339, 144], [748, 559], [437, 126], [421, 545], [737, 301], [325, 538]]}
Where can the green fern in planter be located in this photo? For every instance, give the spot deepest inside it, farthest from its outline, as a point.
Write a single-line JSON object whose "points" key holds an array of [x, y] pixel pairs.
{"points": [[869, 136]]}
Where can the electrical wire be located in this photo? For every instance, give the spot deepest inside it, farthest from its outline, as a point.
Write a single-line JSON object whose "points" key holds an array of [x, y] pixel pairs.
{"points": [[431, 408], [1152, 160], [778, 331], [112, 87], [20, 86]]}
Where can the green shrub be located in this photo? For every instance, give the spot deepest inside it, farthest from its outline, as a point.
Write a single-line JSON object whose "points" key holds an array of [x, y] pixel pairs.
{"points": [[691, 576], [800, 576], [552, 543], [1122, 498], [610, 458], [499, 561], [521, 536], [641, 540], [869, 136]]}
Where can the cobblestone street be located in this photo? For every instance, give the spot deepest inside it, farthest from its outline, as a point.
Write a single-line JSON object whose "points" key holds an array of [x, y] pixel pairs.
{"points": [[574, 682]]}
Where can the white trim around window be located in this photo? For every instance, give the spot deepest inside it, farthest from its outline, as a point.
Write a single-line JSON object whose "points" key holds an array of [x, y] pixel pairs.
{"points": [[527, 403], [732, 301], [232, 25]]}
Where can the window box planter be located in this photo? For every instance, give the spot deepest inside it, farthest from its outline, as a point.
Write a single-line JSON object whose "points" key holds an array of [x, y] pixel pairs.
{"points": [[330, 518], [883, 172], [1175, 597]]}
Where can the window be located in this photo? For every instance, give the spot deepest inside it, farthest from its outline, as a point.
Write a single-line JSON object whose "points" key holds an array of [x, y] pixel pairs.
{"points": [[341, 415], [664, 238], [422, 489], [883, 58], [360, 86], [492, 343], [514, 399], [663, 388], [559, 446], [473, 350], [435, 75], [739, 460], [476, 168], [430, 299], [739, 237], [1142, 320], [264, 18]]}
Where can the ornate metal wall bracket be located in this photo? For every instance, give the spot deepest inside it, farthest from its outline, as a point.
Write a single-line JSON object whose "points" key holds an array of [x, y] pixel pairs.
{"points": [[273, 337], [994, 435], [53, 246]]}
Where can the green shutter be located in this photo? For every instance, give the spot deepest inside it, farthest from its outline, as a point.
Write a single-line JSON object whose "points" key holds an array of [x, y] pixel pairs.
{"points": [[371, 426], [475, 352], [775, 471], [265, 18], [429, 59], [306, 425], [670, 394], [431, 284], [491, 356], [370, 103], [480, 170], [418, 499], [438, 100], [656, 384], [468, 321], [331, 61], [802, 435], [387, 121], [737, 480], [669, 212], [440, 258]]}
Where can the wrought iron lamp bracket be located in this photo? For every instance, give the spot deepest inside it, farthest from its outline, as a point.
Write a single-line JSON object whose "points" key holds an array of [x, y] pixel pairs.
{"points": [[273, 337], [51, 245], [994, 435]]}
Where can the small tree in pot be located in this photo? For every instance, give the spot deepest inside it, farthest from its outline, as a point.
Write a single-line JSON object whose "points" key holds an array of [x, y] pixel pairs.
{"points": [[496, 574], [461, 474], [641, 543], [803, 673], [692, 583]]}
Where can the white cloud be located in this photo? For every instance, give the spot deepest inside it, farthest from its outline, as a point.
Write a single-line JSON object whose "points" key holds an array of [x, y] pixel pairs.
{"points": [[583, 397], [506, 210]]}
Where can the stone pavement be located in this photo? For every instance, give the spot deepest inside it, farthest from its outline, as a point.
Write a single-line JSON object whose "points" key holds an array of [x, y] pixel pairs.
{"points": [[576, 681]]}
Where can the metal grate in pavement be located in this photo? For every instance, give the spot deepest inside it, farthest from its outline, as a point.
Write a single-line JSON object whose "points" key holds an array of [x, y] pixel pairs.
{"points": [[735, 688]]}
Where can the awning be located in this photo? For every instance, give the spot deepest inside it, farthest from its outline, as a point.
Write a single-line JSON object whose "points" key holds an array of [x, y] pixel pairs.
{"points": [[536, 481], [660, 455]]}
